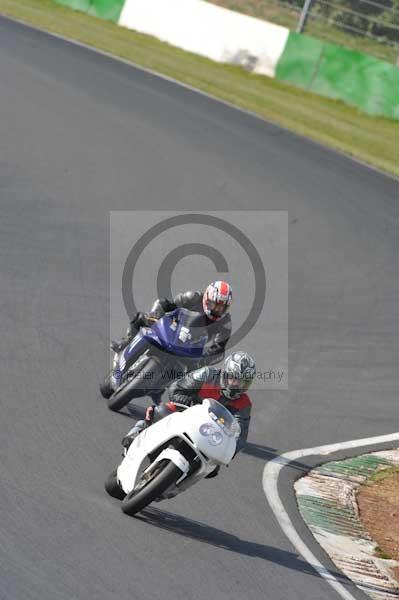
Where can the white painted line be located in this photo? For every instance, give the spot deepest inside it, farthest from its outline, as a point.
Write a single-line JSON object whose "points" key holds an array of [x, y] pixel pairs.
{"points": [[271, 474]]}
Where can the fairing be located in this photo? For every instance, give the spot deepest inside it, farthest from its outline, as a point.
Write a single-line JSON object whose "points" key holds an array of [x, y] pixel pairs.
{"points": [[181, 332], [205, 435]]}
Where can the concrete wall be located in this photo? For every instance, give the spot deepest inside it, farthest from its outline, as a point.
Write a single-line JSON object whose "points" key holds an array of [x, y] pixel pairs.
{"points": [[209, 30]]}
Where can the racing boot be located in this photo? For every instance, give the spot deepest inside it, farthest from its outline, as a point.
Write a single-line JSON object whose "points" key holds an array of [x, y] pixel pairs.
{"points": [[139, 320], [118, 346], [213, 473], [138, 428], [133, 433]]}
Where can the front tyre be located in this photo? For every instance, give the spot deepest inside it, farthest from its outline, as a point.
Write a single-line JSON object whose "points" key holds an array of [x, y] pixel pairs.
{"points": [[165, 474], [106, 389], [112, 486], [145, 380]]}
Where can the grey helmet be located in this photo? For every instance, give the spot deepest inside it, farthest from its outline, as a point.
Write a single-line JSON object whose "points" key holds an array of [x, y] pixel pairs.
{"points": [[237, 374]]}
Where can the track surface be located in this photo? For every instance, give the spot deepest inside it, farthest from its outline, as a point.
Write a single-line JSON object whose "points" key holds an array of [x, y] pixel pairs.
{"points": [[81, 135]]}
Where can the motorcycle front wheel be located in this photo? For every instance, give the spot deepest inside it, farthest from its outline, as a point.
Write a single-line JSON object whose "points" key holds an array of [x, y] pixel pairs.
{"points": [[106, 389], [145, 380], [146, 491], [112, 486]]}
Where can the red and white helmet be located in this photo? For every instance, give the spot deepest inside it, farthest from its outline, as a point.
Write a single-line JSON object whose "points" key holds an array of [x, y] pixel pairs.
{"points": [[217, 299]]}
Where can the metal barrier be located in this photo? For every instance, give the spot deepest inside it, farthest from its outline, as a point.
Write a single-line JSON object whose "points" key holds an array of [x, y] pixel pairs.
{"points": [[373, 19], [370, 26]]}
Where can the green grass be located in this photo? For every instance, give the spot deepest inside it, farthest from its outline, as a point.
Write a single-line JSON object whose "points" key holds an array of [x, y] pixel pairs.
{"points": [[379, 553], [288, 17], [373, 140], [382, 474], [264, 9]]}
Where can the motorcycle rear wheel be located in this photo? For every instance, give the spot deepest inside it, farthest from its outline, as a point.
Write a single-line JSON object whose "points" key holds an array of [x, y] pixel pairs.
{"points": [[162, 479]]}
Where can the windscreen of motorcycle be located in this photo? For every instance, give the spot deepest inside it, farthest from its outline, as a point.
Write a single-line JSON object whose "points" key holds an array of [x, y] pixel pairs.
{"points": [[223, 418], [212, 430], [182, 332]]}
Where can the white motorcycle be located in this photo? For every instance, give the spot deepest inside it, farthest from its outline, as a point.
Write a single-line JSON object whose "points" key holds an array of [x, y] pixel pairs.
{"points": [[181, 449]]}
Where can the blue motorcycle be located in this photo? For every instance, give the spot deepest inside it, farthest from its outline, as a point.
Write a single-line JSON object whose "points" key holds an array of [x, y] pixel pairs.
{"points": [[157, 355]]}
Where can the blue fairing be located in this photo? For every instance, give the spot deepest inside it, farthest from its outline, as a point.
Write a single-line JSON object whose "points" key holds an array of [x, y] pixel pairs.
{"points": [[179, 332], [137, 345]]}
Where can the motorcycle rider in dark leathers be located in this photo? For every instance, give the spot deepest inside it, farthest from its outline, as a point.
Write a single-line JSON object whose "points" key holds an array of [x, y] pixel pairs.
{"points": [[213, 304], [228, 385]]}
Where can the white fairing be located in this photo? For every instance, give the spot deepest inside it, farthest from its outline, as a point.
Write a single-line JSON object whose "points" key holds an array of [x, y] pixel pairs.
{"points": [[214, 445]]}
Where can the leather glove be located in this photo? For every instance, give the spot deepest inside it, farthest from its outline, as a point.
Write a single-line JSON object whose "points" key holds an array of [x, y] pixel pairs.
{"points": [[139, 320]]}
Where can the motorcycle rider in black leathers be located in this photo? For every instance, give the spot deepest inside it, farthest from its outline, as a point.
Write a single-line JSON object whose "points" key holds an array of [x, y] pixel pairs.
{"points": [[227, 385], [213, 304]]}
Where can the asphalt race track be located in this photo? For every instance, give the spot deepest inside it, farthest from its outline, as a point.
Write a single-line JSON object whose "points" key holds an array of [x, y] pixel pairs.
{"points": [[81, 135]]}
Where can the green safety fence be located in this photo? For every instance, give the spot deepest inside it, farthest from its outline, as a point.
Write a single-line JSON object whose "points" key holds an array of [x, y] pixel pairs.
{"points": [[337, 72], [104, 9]]}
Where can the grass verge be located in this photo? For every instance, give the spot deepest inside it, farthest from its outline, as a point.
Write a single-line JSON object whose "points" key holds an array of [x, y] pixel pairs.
{"points": [[382, 474], [373, 140], [379, 553]]}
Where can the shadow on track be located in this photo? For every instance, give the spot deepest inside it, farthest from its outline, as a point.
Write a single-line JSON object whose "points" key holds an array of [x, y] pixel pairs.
{"points": [[227, 541], [266, 453], [258, 451], [133, 411]]}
